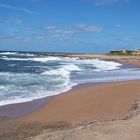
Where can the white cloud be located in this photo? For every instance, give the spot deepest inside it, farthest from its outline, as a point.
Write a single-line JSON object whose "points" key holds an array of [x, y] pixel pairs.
{"points": [[6, 6], [36, 1], [89, 28], [68, 32], [13, 21], [109, 2], [50, 28], [118, 26], [128, 39], [48, 33], [106, 2]]}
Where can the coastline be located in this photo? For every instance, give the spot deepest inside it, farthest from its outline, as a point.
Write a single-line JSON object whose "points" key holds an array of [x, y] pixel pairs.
{"points": [[16, 110], [80, 106], [109, 116]]}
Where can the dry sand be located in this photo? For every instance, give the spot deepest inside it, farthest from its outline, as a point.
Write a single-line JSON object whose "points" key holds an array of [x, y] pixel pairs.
{"points": [[115, 130]]}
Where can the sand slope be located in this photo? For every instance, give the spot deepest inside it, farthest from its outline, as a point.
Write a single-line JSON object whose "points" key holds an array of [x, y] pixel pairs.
{"points": [[118, 130]]}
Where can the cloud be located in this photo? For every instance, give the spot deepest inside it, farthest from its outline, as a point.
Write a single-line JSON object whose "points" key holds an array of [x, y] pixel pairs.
{"points": [[50, 28], [6, 6], [89, 28], [106, 2], [54, 29], [12, 21], [36, 1], [118, 26], [109, 2], [128, 39], [48, 33], [55, 33]]}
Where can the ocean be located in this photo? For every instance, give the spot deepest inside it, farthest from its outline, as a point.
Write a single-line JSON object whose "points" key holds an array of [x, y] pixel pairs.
{"points": [[26, 76]]}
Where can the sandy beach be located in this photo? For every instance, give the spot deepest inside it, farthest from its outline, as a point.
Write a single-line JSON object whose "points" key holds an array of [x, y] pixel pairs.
{"points": [[69, 70], [108, 111], [102, 112], [100, 102]]}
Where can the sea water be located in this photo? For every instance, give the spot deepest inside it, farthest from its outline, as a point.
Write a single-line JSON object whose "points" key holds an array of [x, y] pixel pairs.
{"points": [[26, 76]]}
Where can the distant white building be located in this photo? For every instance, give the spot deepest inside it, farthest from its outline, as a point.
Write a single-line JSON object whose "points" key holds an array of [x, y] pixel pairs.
{"points": [[137, 52], [120, 51]]}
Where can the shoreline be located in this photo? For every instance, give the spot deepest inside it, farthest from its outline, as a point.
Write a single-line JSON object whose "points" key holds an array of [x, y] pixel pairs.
{"points": [[85, 109], [127, 117], [19, 110], [16, 110]]}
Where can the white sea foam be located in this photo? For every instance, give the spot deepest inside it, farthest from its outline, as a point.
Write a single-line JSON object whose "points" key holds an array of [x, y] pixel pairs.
{"points": [[39, 59], [17, 53], [22, 93], [106, 65], [64, 71], [97, 64], [39, 95], [100, 65], [64, 85], [45, 59], [25, 54], [14, 59], [8, 53]]}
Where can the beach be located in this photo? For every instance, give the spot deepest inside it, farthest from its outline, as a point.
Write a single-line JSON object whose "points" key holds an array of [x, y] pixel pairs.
{"points": [[100, 102], [69, 70], [105, 111]]}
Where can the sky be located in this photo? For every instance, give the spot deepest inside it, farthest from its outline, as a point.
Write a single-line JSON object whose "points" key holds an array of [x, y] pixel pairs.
{"points": [[75, 26]]}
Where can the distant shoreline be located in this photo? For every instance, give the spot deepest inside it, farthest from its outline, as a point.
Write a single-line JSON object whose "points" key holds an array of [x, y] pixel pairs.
{"points": [[102, 56]]}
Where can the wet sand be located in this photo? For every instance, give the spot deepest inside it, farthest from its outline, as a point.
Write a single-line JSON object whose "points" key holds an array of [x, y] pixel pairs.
{"points": [[20, 109]]}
